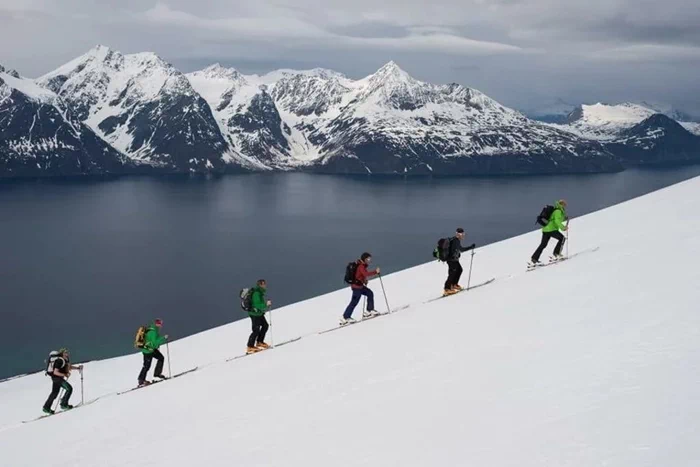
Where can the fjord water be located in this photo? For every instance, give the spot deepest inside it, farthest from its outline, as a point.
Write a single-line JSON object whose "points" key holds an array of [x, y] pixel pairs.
{"points": [[84, 263]]}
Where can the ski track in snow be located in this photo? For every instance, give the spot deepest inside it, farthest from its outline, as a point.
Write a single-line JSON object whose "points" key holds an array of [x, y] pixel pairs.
{"points": [[592, 362]]}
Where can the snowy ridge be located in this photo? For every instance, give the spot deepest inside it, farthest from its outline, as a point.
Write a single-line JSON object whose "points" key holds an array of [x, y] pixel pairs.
{"points": [[692, 127], [602, 371], [319, 118], [144, 107], [220, 120]]}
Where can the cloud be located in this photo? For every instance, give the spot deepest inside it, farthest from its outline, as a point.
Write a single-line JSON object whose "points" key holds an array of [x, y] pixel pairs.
{"points": [[646, 52], [518, 51], [271, 27]]}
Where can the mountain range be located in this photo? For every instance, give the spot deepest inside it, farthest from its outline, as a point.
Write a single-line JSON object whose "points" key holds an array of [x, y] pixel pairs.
{"points": [[107, 112]]}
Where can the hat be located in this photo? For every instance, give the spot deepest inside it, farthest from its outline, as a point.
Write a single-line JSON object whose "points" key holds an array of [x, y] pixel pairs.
{"points": [[158, 322], [460, 230]]}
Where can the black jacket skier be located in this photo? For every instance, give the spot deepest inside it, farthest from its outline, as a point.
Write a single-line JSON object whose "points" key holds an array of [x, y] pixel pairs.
{"points": [[59, 370], [454, 269]]}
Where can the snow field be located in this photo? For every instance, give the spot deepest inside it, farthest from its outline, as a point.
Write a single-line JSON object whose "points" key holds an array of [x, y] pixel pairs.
{"points": [[594, 361]]}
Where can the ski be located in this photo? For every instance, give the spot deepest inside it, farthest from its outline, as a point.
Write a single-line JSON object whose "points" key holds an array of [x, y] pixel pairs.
{"points": [[357, 322], [62, 411], [263, 350], [482, 284], [566, 258], [159, 381]]}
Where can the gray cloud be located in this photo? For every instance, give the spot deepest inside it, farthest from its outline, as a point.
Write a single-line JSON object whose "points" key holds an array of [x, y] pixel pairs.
{"points": [[518, 51]]}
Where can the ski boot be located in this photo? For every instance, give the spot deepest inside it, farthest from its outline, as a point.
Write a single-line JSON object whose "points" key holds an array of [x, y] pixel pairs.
{"points": [[66, 406], [47, 411], [369, 314], [447, 292], [143, 383], [457, 288], [161, 377], [345, 322], [252, 350], [532, 264], [262, 346]]}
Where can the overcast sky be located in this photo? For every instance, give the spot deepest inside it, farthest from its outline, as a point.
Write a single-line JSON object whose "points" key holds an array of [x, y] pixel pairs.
{"points": [[520, 52]]}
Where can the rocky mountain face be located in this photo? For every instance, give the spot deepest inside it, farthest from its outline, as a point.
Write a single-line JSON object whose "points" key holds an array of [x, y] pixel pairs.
{"points": [[387, 122], [40, 135], [143, 107], [142, 114]]}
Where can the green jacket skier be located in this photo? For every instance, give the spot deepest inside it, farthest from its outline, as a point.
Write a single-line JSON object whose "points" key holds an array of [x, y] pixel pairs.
{"points": [[152, 339], [556, 222], [152, 342], [258, 306], [552, 230]]}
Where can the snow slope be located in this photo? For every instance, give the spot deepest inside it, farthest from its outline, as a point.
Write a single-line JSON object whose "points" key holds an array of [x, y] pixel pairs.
{"points": [[594, 361]]}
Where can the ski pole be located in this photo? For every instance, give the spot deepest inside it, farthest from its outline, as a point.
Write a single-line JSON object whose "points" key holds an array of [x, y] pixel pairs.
{"points": [[60, 392], [388, 310], [272, 339], [82, 387], [471, 262], [568, 226], [167, 349]]}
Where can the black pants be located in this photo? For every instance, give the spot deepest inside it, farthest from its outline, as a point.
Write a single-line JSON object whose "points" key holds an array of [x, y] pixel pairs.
{"points": [[58, 383], [454, 272], [260, 327], [545, 240], [147, 359]]}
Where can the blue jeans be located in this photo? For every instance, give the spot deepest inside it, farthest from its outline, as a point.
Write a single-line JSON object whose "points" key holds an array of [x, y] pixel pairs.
{"points": [[356, 294]]}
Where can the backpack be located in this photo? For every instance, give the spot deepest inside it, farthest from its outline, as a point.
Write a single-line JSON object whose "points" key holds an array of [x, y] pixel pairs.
{"points": [[350, 273], [247, 299], [140, 339], [545, 215], [53, 356], [442, 250]]}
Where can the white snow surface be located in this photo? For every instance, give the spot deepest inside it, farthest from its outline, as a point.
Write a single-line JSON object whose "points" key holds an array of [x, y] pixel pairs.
{"points": [[29, 88], [693, 127], [591, 362], [604, 121]]}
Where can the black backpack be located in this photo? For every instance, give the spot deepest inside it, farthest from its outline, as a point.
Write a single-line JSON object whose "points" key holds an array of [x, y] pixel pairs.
{"points": [[350, 271], [247, 299], [53, 356], [545, 215], [442, 250]]}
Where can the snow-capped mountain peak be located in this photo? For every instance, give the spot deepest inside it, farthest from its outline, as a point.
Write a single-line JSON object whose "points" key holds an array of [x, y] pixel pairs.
{"points": [[218, 71], [601, 114], [142, 105]]}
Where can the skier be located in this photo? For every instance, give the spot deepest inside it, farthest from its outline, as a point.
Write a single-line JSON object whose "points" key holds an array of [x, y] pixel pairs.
{"points": [[454, 268], [359, 288], [59, 369], [152, 342], [552, 230], [256, 341]]}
